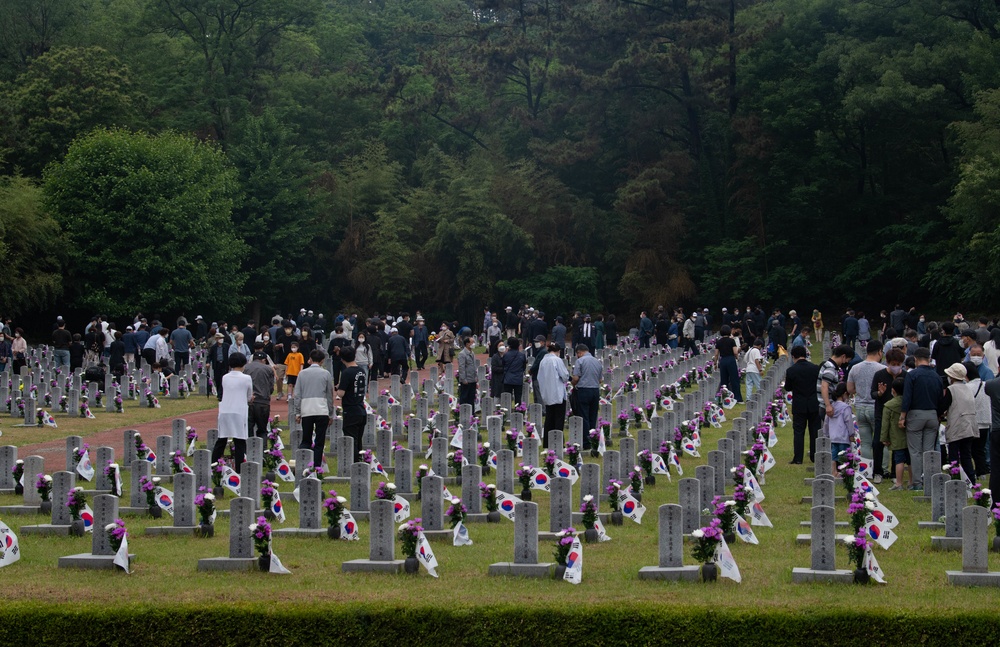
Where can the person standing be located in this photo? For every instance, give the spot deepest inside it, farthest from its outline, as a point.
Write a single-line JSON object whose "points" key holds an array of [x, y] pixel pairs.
{"points": [[162, 347], [494, 333], [467, 374], [817, 322], [881, 393], [496, 371], [182, 341], [61, 339], [399, 356], [514, 364], [446, 340], [587, 333], [262, 376], [363, 355], [588, 371], [351, 391], [850, 328], [611, 331], [233, 410], [559, 333], [959, 408], [599, 342], [754, 359], [800, 381], [645, 332], [294, 361], [688, 331], [552, 377], [313, 400], [922, 393], [218, 357], [421, 337], [726, 351], [859, 384]]}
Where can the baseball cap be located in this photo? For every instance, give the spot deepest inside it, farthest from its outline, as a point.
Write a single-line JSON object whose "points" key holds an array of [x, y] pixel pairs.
{"points": [[539, 337]]}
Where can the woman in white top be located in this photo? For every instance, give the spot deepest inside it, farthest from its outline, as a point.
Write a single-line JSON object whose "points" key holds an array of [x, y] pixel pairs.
{"points": [[991, 351], [363, 353], [237, 393]]}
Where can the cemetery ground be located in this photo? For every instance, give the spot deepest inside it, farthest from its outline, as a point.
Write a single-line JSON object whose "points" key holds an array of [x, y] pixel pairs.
{"points": [[166, 600]]}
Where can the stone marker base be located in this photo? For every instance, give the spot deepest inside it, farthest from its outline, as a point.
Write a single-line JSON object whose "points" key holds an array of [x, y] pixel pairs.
{"points": [[960, 578], [20, 509], [6, 490], [336, 479], [299, 532], [46, 529], [93, 493], [809, 499], [368, 566], [172, 530], [257, 513], [521, 570], [227, 564], [946, 543], [438, 535], [605, 518], [133, 512], [86, 560], [678, 574], [930, 525], [837, 481], [922, 499], [837, 524], [807, 539], [409, 496], [474, 518], [805, 575]]}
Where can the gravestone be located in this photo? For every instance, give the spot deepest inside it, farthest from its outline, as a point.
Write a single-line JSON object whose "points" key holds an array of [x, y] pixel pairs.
{"points": [[628, 455], [128, 444], [822, 550], [612, 465], [8, 458], [368, 437], [470, 438], [101, 554], [163, 458], [706, 477], [414, 434], [303, 457], [432, 503], [494, 431], [255, 450], [931, 465], [717, 460], [689, 497], [525, 562], [211, 438], [471, 477], [531, 446], [72, 442], [671, 544], [311, 519], [178, 434], [823, 463], [202, 469], [955, 497], [936, 488], [644, 440], [560, 504], [62, 483], [822, 493], [241, 552], [250, 478], [576, 430], [823, 444], [345, 456], [439, 456], [382, 543], [103, 456], [726, 447], [184, 491], [554, 439], [976, 522], [404, 472], [137, 498], [361, 484], [590, 482], [383, 447], [505, 471]]}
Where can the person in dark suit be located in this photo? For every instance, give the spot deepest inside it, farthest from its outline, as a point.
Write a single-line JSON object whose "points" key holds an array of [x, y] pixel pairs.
{"points": [[587, 334], [800, 380], [218, 357]]}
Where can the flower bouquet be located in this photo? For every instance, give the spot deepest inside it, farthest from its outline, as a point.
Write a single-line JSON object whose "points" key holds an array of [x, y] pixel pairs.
{"points": [[422, 471], [204, 501], [333, 505], [646, 463], [589, 509], [456, 512], [488, 493], [857, 547], [524, 476], [18, 473], [261, 532], [76, 501], [483, 454], [613, 491], [707, 540], [725, 512], [43, 485], [409, 535]]}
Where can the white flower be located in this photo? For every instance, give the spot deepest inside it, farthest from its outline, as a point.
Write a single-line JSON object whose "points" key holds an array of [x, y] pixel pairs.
{"points": [[19, 462], [110, 527], [390, 486], [869, 505], [253, 527], [945, 468], [491, 487], [732, 470], [455, 500], [156, 479], [588, 498], [47, 478], [849, 541], [697, 534], [361, 453], [869, 496], [730, 503], [986, 491], [114, 465], [486, 445], [402, 526], [341, 499], [78, 489], [422, 467]]}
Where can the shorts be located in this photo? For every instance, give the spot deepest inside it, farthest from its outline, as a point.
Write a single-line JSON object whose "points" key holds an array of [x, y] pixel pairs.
{"points": [[900, 457], [290, 380], [836, 448]]}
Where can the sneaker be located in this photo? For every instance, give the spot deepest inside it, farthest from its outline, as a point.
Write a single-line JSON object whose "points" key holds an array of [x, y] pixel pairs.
{"points": [[877, 479], [895, 487]]}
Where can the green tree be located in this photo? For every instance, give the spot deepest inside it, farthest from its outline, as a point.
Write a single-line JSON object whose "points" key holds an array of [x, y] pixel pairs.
{"points": [[64, 93], [148, 223], [31, 248], [559, 289]]}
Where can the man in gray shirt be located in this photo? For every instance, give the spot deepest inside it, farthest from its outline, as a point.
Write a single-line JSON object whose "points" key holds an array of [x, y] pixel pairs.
{"points": [[859, 384], [587, 375], [262, 376], [313, 402]]}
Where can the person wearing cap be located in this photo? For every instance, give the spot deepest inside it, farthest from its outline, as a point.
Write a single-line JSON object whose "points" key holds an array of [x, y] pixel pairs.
{"points": [[182, 341], [511, 321], [514, 364], [922, 395], [262, 376], [218, 358], [588, 372], [420, 339], [398, 354], [61, 339], [233, 409], [958, 404], [552, 378], [313, 400], [131, 348], [200, 331]]}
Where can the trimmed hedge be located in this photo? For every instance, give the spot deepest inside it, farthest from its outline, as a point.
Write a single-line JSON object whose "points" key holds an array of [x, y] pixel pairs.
{"points": [[49, 624]]}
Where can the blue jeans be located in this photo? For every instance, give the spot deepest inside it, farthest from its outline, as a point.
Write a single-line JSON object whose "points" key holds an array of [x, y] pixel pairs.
{"points": [[61, 356], [753, 383]]}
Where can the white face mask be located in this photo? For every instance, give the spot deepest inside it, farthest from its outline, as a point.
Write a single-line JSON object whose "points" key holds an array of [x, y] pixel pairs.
{"points": [[976, 360], [266, 338]]}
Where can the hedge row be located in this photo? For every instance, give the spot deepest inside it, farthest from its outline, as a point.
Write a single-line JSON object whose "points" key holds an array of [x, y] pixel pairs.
{"points": [[355, 624]]}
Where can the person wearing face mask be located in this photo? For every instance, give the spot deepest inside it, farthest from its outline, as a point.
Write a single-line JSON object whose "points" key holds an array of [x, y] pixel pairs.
{"points": [[282, 345], [859, 383], [947, 349], [688, 331], [959, 408], [446, 342], [6, 355], [363, 354], [977, 357], [20, 349], [420, 339], [922, 393], [881, 393], [496, 371], [539, 350]]}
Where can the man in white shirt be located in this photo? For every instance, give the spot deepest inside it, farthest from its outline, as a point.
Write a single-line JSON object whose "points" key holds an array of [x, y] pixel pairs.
{"points": [[754, 366], [552, 378]]}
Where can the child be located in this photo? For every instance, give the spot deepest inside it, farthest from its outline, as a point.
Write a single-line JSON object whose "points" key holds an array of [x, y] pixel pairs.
{"points": [[893, 437], [293, 362], [840, 425]]}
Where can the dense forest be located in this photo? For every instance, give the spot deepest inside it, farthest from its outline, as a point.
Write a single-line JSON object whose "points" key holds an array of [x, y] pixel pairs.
{"points": [[247, 155]]}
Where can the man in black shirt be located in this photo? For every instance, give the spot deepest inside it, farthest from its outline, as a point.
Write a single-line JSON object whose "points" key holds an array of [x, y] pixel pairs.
{"points": [[800, 380], [351, 391], [61, 339]]}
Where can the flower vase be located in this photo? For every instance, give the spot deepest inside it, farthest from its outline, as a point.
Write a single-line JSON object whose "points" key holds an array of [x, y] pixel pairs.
{"points": [[206, 530], [593, 451], [996, 544], [636, 495], [609, 442], [526, 494], [46, 507], [268, 514], [617, 518], [487, 470], [730, 537], [559, 572], [77, 528], [590, 535], [264, 563], [270, 476], [411, 565], [219, 491], [861, 576], [623, 433], [493, 517], [650, 480], [709, 572], [333, 532], [155, 511], [18, 489], [418, 495], [458, 479]]}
